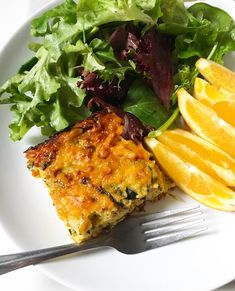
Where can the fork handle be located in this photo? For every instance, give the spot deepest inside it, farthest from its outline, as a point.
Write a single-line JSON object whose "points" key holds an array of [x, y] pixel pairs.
{"points": [[16, 261]]}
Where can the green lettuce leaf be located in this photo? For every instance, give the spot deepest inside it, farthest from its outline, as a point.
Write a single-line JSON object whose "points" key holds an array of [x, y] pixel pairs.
{"points": [[87, 14], [174, 11], [44, 95], [42, 25], [151, 7]]}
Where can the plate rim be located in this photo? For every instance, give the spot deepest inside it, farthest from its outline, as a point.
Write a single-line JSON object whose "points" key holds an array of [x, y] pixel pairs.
{"points": [[23, 25]]}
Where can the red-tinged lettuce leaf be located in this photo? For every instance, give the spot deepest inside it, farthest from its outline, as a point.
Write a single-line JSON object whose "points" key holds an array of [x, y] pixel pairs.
{"points": [[112, 92], [118, 39], [154, 56], [124, 41], [133, 128]]}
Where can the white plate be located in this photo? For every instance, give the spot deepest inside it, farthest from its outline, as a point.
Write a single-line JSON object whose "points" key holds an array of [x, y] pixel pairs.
{"points": [[26, 212]]}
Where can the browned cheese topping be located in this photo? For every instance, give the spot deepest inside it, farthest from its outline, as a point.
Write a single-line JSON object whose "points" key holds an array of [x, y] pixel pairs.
{"points": [[96, 177]]}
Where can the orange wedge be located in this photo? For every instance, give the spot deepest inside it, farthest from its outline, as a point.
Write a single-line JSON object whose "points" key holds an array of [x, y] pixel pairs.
{"points": [[202, 154], [222, 102], [206, 123], [191, 180], [217, 75]]}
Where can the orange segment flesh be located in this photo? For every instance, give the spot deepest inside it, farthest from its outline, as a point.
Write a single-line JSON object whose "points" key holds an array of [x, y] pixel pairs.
{"points": [[202, 154], [191, 180], [221, 101], [206, 123], [217, 75]]}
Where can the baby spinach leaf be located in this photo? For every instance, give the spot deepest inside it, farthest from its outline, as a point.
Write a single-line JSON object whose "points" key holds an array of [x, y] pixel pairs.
{"points": [[144, 104], [219, 19]]}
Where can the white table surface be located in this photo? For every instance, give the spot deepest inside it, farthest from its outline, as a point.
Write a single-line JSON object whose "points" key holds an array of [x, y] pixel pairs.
{"points": [[12, 14]]}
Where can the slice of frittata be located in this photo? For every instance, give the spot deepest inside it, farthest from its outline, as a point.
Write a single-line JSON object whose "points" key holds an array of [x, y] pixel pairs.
{"points": [[95, 176]]}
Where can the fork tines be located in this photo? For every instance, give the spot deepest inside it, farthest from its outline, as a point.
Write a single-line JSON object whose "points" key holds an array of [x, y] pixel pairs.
{"points": [[163, 228]]}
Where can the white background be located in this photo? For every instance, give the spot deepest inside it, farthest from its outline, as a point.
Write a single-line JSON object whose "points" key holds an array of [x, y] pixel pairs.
{"points": [[12, 14]]}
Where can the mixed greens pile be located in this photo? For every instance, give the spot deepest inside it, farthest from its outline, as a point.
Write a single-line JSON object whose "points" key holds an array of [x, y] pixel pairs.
{"points": [[132, 54]]}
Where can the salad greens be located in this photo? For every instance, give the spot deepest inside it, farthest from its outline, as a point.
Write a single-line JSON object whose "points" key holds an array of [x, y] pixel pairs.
{"points": [[74, 60]]}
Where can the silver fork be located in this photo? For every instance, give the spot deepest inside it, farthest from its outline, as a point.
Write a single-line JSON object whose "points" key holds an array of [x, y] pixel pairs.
{"points": [[134, 235]]}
